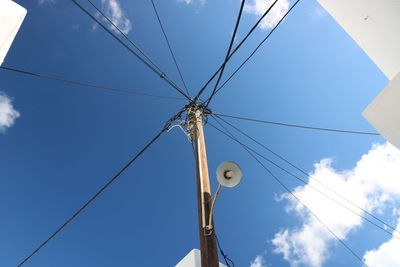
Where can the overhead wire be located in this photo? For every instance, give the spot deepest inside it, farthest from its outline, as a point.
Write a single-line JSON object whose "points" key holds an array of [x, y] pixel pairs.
{"points": [[124, 35], [253, 28], [259, 45], [88, 84], [170, 48], [117, 175], [228, 261], [385, 224], [227, 53], [262, 145], [314, 215], [297, 125], [162, 75], [236, 49]]}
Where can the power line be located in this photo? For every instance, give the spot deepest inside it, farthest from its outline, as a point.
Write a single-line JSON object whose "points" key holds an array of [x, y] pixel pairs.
{"points": [[88, 84], [244, 39], [170, 49], [294, 196], [227, 54], [159, 73], [227, 260], [262, 145], [253, 28], [297, 126], [313, 187], [155, 69], [236, 48], [165, 128], [125, 36], [259, 45]]}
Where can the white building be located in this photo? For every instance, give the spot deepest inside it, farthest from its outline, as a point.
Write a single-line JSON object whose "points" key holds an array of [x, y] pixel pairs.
{"points": [[375, 27], [11, 17], [193, 259]]}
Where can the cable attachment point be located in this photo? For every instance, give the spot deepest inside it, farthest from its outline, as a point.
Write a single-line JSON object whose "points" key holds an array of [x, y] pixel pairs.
{"points": [[207, 110], [193, 107], [173, 119], [192, 110]]}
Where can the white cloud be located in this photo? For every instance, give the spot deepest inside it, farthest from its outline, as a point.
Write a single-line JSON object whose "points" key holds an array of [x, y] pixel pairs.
{"points": [[258, 262], [201, 2], [372, 184], [387, 255], [114, 11], [8, 114], [258, 8], [41, 2]]}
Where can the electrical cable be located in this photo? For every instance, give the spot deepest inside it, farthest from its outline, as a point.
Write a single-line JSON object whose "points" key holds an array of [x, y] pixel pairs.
{"points": [[227, 260], [312, 178], [88, 84], [262, 145], [102, 188], [259, 45], [236, 48], [170, 49], [324, 194], [313, 214], [297, 199], [125, 36], [253, 28], [297, 126], [227, 54], [161, 74]]}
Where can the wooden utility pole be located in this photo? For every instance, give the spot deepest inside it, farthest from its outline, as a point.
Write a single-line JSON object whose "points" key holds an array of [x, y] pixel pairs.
{"points": [[208, 245]]}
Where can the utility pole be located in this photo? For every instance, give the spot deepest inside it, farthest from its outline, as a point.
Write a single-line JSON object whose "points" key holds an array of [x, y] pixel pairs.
{"points": [[208, 245]]}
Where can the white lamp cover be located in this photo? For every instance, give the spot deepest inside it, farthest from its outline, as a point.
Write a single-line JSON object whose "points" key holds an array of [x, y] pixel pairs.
{"points": [[11, 17], [383, 113], [235, 172], [375, 27]]}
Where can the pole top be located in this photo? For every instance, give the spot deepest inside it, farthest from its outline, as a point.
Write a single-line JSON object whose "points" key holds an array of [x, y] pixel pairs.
{"points": [[194, 107]]}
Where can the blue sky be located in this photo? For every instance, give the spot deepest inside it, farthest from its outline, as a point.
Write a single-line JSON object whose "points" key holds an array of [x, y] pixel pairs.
{"points": [[69, 140]]}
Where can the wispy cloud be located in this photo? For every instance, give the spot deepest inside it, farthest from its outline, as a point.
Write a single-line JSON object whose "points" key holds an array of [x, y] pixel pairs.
{"points": [[373, 184], [41, 2], [317, 13], [8, 114], [201, 2], [258, 8], [114, 11], [75, 27], [258, 262]]}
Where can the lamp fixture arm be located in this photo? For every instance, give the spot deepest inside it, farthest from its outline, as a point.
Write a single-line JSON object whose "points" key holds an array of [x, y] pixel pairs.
{"points": [[214, 198]]}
